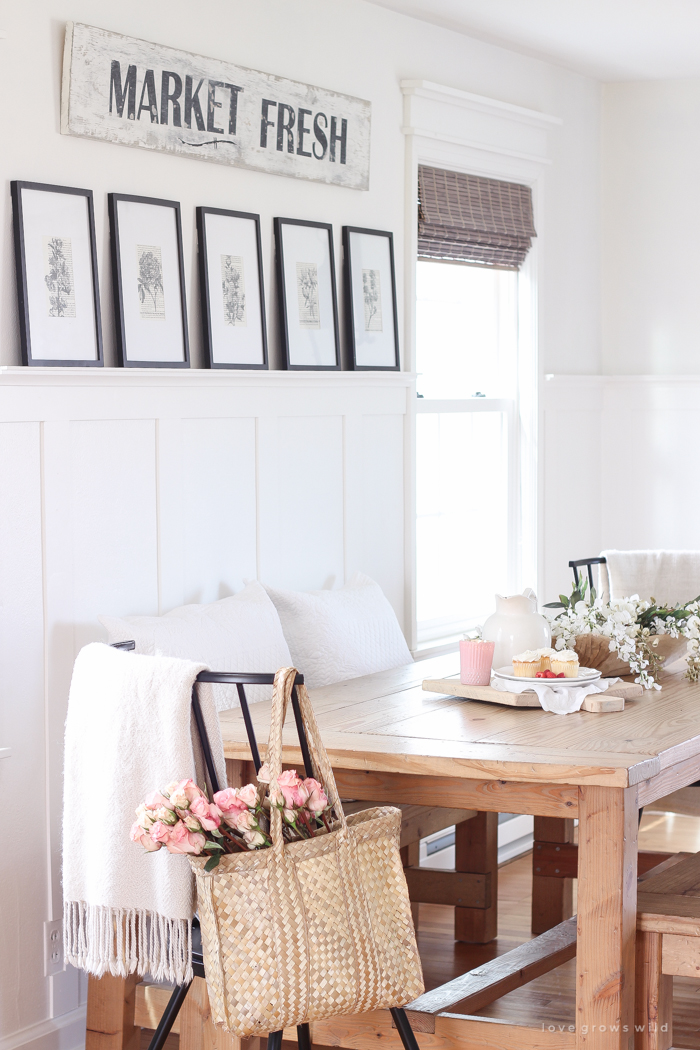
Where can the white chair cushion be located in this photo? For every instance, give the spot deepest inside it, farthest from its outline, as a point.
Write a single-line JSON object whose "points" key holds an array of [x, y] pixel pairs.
{"points": [[336, 635], [668, 576], [242, 633]]}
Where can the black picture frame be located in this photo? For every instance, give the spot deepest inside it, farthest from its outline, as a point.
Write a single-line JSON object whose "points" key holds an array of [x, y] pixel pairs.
{"points": [[114, 199], [284, 311], [351, 320], [23, 296], [210, 349]]}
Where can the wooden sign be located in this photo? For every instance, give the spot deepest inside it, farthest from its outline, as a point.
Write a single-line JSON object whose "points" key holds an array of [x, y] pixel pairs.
{"points": [[139, 94]]}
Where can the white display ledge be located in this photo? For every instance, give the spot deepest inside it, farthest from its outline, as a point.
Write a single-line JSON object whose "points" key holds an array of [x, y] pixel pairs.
{"points": [[201, 378]]}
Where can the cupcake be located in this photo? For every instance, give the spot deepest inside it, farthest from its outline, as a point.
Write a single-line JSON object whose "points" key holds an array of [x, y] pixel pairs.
{"points": [[527, 664], [545, 657], [565, 662]]}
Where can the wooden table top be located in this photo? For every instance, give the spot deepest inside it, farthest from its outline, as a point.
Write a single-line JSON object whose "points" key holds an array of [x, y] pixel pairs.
{"points": [[387, 722]]}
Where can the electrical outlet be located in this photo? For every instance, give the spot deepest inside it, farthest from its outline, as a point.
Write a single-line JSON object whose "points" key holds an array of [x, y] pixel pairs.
{"points": [[53, 948]]}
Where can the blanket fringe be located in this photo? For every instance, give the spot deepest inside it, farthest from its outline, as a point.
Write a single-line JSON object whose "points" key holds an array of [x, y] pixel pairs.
{"points": [[120, 941]]}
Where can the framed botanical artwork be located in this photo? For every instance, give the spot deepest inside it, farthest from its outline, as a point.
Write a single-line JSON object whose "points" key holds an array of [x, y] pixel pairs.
{"points": [[370, 299], [56, 269], [307, 296], [148, 278], [231, 288]]}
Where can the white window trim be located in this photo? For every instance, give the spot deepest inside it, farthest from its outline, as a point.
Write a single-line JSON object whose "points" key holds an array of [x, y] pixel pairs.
{"points": [[446, 127]]}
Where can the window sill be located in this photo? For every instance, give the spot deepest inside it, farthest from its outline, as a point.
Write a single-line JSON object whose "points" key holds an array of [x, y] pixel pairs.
{"points": [[437, 646]]}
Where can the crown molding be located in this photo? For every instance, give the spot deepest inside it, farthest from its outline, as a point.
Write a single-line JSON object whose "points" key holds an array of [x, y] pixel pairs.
{"points": [[479, 104]]}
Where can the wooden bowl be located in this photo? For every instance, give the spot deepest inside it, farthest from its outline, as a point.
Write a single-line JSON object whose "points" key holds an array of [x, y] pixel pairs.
{"points": [[593, 652]]}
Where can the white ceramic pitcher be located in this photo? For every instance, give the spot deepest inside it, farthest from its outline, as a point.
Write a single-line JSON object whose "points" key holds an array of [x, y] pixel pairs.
{"points": [[515, 626]]}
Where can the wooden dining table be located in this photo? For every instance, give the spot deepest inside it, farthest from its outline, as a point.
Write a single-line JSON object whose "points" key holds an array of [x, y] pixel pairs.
{"points": [[391, 741]]}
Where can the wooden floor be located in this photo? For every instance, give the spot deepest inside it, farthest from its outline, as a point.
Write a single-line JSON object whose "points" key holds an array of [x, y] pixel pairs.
{"points": [[549, 999]]}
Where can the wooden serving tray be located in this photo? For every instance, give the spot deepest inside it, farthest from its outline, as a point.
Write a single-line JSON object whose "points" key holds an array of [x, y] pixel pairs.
{"points": [[597, 703]]}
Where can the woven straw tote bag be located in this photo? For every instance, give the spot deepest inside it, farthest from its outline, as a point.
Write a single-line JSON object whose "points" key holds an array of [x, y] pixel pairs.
{"points": [[316, 928]]}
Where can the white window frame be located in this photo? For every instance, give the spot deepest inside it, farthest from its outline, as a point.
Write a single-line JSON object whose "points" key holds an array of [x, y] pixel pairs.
{"points": [[453, 129]]}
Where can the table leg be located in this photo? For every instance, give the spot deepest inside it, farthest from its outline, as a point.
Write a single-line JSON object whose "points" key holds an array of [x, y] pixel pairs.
{"points": [[552, 899], [476, 851], [110, 1013], [607, 918]]}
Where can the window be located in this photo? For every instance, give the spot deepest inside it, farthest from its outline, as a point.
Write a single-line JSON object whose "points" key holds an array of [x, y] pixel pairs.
{"points": [[468, 441], [466, 347]]}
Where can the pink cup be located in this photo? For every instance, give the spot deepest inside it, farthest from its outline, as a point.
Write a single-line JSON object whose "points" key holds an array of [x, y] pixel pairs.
{"points": [[475, 659]]}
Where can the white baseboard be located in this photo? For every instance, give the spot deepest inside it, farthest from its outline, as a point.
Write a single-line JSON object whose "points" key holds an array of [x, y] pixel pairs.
{"points": [[514, 838], [66, 1032]]}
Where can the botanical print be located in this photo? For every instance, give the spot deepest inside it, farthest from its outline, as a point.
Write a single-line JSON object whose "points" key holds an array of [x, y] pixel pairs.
{"points": [[150, 282], [372, 295], [60, 284], [307, 294], [233, 289]]}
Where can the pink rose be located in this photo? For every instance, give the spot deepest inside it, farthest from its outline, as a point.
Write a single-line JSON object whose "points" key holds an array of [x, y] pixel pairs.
{"points": [[137, 834], [183, 841], [165, 815], [184, 794], [292, 788], [191, 823], [228, 800], [253, 839], [170, 788], [248, 795], [289, 815], [161, 832], [317, 800], [156, 800], [144, 817], [264, 774], [244, 820], [209, 816]]}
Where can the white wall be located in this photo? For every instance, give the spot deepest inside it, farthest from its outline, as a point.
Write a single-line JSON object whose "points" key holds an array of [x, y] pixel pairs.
{"points": [[125, 491], [651, 228], [620, 468], [351, 46], [627, 437], [85, 517]]}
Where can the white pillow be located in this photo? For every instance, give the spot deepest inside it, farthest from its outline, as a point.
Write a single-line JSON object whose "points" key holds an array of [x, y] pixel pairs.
{"points": [[242, 633], [335, 635]]}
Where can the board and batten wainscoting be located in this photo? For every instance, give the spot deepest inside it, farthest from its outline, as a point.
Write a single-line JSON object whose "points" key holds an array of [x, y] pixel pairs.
{"points": [[618, 468], [135, 491]]}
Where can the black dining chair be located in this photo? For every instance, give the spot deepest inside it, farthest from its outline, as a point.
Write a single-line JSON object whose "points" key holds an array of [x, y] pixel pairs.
{"points": [[179, 994], [589, 563]]}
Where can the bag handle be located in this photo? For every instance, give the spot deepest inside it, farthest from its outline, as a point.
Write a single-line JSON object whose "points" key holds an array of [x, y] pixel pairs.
{"points": [[281, 695]]}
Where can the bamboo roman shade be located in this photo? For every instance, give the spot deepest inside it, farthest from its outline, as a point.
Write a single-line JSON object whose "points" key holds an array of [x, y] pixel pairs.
{"points": [[469, 219]]}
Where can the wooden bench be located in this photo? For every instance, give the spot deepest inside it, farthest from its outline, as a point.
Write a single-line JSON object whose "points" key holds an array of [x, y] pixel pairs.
{"points": [[668, 945]]}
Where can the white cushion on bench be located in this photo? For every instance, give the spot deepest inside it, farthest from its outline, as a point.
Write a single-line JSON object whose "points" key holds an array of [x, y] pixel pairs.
{"points": [[336, 635], [241, 633]]}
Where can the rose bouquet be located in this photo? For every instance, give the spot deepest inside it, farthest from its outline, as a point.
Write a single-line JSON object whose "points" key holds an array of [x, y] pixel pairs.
{"points": [[631, 627], [181, 817]]}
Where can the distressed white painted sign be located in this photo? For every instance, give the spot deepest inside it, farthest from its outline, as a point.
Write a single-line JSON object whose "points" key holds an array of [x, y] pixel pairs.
{"points": [[139, 94]]}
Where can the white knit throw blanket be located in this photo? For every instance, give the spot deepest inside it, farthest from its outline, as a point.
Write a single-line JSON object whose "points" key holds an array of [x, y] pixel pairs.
{"points": [[129, 731]]}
